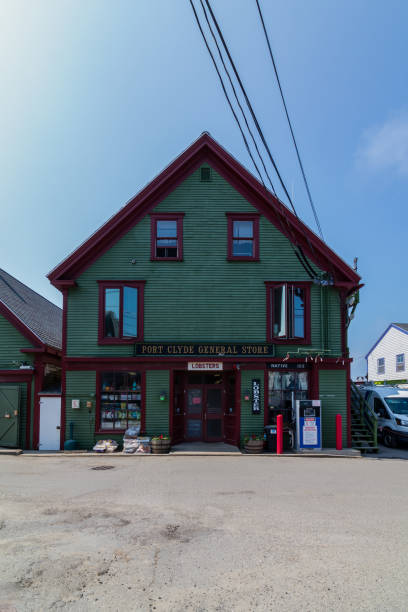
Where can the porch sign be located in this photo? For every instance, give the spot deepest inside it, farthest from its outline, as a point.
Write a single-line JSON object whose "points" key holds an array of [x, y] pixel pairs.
{"points": [[204, 366], [256, 396]]}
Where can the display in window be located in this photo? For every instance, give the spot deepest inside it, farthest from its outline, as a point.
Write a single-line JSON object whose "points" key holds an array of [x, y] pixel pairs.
{"points": [[120, 401]]}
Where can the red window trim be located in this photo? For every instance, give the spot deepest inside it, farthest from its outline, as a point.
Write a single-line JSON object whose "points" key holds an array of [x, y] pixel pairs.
{"points": [[231, 217], [269, 310], [103, 284], [99, 373], [154, 217]]}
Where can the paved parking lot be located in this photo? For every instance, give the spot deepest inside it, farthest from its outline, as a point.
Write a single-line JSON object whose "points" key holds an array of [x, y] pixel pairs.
{"points": [[203, 533]]}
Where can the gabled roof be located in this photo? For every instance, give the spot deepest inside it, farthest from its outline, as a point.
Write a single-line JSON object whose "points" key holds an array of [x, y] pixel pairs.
{"points": [[39, 320], [204, 150], [402, 327]]}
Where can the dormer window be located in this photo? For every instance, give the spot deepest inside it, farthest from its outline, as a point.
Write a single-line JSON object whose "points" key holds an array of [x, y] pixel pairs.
{"points": [[167, 237]]}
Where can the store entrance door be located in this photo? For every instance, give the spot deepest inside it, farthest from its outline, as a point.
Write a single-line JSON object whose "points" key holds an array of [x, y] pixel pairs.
{"points": [[204, 408]]}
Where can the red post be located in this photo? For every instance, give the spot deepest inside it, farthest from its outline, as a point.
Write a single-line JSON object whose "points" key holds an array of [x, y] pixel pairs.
{"points": [[279, 434], [339, 440]]}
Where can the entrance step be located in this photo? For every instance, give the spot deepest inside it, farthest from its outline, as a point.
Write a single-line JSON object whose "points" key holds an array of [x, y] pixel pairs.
{"points": [[204, 448]]}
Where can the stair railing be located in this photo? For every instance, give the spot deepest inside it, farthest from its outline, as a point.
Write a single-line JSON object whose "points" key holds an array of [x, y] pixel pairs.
{"points": [[367, 414]]}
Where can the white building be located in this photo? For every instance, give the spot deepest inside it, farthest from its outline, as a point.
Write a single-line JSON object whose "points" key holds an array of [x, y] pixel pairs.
{"points": [[387, 359]]}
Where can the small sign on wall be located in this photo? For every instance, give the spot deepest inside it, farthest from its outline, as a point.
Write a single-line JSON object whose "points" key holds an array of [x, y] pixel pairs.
{"points": [[76, 404], [256, 396], [205, 366]]}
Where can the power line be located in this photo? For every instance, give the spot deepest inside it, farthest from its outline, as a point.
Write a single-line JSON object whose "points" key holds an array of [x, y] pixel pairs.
{"points": [[251, 110], [236, 96], [226, 93], [258, 127], [289, 122], [298, 250]]}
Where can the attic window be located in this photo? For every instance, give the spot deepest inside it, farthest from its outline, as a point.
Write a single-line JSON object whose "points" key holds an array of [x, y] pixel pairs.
{"points": [[205, 174]]}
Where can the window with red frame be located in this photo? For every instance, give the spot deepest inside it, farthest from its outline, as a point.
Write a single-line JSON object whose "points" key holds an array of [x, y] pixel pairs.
{"points": [[243, 237], [119, 401], [167, 237], [288, 312], [120, 312]]}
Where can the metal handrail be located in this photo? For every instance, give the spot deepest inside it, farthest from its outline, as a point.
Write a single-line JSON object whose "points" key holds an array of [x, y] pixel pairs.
{"points": [[367, 414]]}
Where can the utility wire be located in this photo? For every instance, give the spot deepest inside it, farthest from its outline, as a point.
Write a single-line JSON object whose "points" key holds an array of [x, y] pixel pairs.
{"points": [[236, 96], [251, 110], [226, 94], [259, 129], [289, 122], [299, 252]]}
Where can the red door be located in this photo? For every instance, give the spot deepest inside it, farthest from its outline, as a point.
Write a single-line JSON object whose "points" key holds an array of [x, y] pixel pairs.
{"points": [[193, 419], [231, 429], [214, 413], [178, 408]]}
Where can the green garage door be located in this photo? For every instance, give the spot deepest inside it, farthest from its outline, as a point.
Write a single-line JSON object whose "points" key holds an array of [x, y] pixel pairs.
{"points": [[9, 415]]}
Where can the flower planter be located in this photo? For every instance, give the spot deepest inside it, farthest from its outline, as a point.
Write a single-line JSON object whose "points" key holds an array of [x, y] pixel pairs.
{"points": [[160, 446], [254, 446]]}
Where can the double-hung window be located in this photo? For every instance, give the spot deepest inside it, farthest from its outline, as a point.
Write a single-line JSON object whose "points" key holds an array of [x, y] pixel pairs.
{"points": [[243, 236], [288, 312], [381, 365], [120, 312], [167, 237], [400, 362]]}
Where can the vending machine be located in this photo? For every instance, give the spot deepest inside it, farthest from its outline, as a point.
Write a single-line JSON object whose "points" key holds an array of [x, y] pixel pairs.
{"points": [[308, 424]]}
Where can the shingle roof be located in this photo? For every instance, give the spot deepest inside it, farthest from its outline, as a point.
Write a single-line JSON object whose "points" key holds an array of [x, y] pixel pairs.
{"points": [[42, 318], [402, 325]]}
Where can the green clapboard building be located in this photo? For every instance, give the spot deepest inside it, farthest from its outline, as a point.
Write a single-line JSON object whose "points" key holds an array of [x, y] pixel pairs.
{"points": [[30, 367], [202, 308]]}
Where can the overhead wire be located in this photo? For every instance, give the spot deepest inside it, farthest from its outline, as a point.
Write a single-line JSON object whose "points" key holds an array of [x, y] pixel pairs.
{"points": [[290, 123], [299, 252], [236, 96], [260, 132], [226, 94]]}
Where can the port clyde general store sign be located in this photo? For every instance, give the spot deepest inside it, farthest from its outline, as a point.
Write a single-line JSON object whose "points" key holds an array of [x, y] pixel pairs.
{"points": [[203, 350]]}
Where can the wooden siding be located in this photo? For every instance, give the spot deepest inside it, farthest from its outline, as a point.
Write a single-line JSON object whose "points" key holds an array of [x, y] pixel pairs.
{"points": [[392, 344], [333, 395], [251, 423], [205, 297], [11, 341], [157, 411], [82, 386]]}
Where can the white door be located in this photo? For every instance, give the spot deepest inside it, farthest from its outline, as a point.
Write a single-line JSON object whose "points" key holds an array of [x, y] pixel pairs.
{"points": [[50, 423]]}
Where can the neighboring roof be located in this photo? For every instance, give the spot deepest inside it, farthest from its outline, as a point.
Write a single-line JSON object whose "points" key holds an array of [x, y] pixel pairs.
{"points": [[402, 327], [37, 318], [204, 150]]}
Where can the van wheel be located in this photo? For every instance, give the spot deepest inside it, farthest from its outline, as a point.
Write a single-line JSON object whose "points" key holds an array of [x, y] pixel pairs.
{"points": [[389, 439]]}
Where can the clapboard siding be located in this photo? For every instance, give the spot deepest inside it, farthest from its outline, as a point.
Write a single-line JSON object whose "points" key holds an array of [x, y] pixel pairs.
{"points": [[82, 386], [251, 423], [333, 395], [393, 343], [205, 297], [157, 411], [11, 341]]}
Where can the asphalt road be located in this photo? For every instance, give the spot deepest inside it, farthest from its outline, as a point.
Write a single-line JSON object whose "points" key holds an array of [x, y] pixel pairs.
{"points": [[203, 533]]}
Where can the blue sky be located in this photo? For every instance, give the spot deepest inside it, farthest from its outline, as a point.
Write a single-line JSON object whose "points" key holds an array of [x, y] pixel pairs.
{"points": [[98, 96]]}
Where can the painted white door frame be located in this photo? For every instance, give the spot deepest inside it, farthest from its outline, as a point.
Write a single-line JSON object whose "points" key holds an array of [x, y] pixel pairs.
{"points": [[50, 422]]}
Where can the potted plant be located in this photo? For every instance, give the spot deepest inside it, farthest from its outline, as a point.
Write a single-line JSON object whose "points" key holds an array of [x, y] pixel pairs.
{"points": [[253, 443], [160, 444]]}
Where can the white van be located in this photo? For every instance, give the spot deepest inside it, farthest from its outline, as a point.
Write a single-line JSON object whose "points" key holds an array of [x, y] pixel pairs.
{"points": [[390, 404]]}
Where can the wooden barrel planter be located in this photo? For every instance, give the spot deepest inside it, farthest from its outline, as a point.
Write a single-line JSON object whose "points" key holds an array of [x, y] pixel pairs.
{"points": [[254, 446], [160, 446]]}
